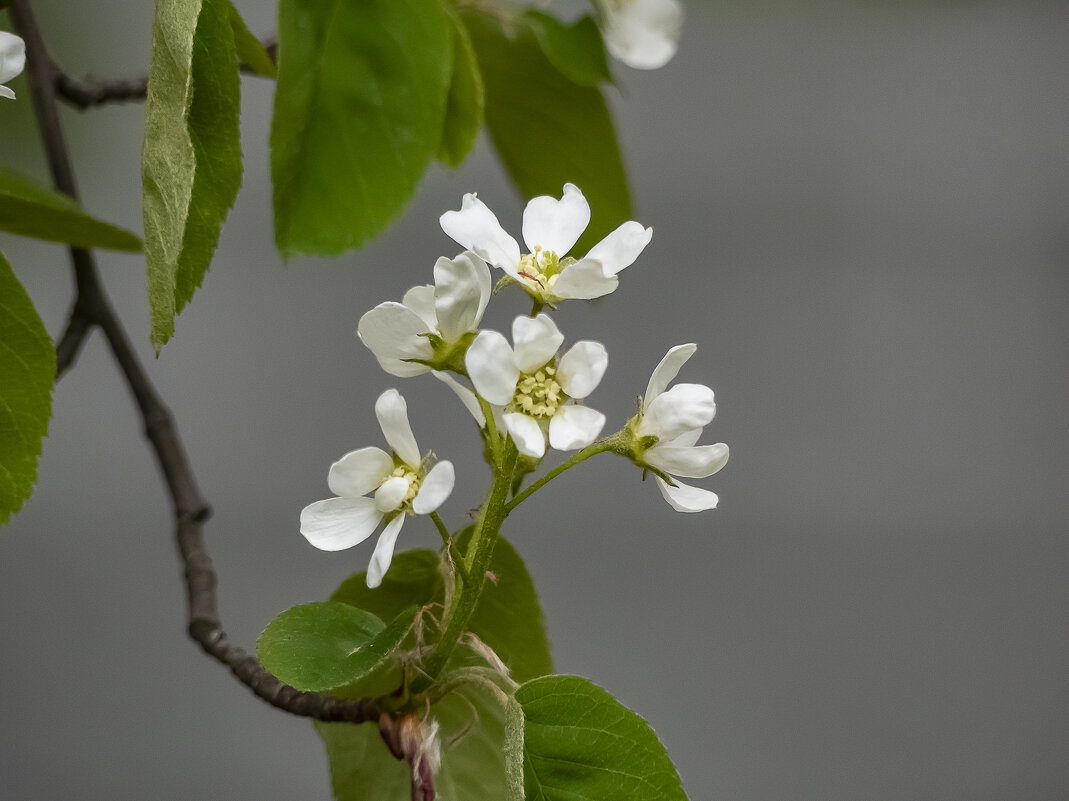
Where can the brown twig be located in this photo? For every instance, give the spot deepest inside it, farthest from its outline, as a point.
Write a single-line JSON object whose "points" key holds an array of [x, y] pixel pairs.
{"points": [[86, 93], [91, 309]]}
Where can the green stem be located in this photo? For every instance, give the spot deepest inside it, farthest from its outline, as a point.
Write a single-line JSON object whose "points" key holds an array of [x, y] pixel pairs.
{"points": [[476, 561], [612, 443], [443, 532]]}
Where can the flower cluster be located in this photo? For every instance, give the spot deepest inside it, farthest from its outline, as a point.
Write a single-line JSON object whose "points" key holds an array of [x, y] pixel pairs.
{"points": [[12, 60], [524, 395]]}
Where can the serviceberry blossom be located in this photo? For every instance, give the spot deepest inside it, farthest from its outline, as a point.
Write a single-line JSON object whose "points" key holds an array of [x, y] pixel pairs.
{"points": [[401, 483], [430, 322], [12, 60], [550, 228], [643, 34], [676, 418], [536, 390]]}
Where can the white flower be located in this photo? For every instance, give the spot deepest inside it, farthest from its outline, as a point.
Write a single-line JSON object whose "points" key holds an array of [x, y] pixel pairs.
{"points": [[676, 417], [452, 307], [400, 483], [641, 33], [12, 60], [550, 228], [538, 391]]}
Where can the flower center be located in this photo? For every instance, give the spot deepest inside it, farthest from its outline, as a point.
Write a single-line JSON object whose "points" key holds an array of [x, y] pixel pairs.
{"points": [[538, 394], [540, 270], [413, 478]]}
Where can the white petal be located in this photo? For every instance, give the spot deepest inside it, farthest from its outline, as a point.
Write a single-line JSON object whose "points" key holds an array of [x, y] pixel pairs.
{"points": [[668, 368], [476, 228], [359, 472], [392, 412], [391, 331], [467, 397], [536, 340], [699, 462], [684, 440], [420, 299], [553, 224], [436, 486], [527, 434], [339, 523], [12, 59], [581, 368], [383, 555], [461, 290], [492, 367], [620, 248], [643, 33], [680, 409], [584, 280], [685, 498], [391, 494], [575, 427]]}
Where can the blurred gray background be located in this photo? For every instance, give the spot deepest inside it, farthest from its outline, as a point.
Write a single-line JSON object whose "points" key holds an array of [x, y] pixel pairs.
{"points": [[860, 214]]}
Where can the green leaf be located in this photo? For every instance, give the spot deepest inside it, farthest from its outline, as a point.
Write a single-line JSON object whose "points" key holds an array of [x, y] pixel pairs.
{"points": [[576, 50], [27, 371], [191, 159], [508, 618], [322, 646], [358, 116], [548, 130], [250, 52], [464, 106], [362, 769], [31, 209], [581, 744]]}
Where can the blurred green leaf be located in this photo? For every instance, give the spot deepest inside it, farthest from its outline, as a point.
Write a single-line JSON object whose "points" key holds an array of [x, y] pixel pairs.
{"points": [[27, 371], [359, 114], [191, 159], [576, 50], [464, 106], [581, 744], [321, 646], [249, 50], [28, 208], [362, 769], [547, 129]]}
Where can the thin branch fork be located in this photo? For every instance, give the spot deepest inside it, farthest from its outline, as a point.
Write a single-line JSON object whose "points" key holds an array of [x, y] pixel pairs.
{"points": [[92, 309]]}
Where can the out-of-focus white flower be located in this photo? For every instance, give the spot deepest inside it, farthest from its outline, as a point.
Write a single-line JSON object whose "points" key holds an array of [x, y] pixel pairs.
{"points": [[550, 228], [676, 418], [401, 483], [641, 33], [12, 60], [430, 321], [536, 390]]}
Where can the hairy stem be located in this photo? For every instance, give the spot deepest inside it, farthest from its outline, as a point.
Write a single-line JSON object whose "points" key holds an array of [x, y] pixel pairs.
{"points": [[476, 561]]}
